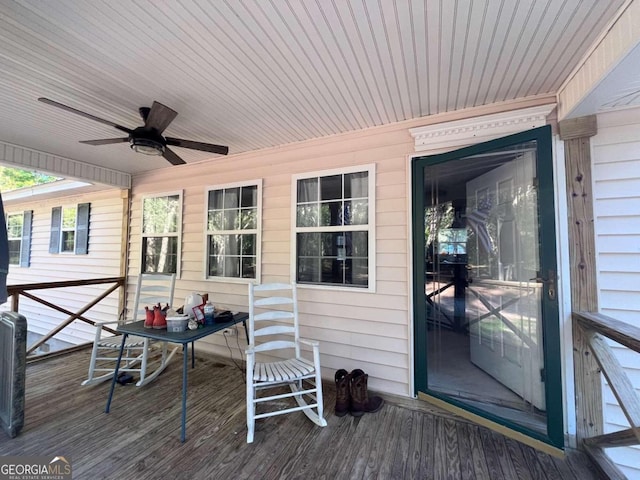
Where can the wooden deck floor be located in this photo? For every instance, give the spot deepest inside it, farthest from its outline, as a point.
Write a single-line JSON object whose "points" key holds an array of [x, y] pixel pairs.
{"points": [[139, 439]]}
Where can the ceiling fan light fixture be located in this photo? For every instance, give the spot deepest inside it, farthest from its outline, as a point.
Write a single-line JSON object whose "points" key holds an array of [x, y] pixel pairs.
{"points": [[147, 146]]}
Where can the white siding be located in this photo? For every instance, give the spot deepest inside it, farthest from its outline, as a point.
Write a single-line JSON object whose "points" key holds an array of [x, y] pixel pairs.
{"points": [[616, 175], [103, 260]]}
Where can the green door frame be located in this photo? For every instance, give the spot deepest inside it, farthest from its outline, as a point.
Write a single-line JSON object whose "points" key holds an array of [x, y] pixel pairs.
{"points": [[550, 329]]}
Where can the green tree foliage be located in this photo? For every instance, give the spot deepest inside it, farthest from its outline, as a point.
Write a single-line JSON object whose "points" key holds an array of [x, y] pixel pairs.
{"points": [[14, 178]]}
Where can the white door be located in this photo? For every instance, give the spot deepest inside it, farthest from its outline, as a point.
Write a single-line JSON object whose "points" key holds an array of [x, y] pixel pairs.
{"points": [[503, 297]]}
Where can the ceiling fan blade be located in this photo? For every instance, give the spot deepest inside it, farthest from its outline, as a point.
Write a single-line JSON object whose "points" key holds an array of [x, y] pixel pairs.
{"points": [[105, 141], [172, 157], [87, 115], [205, 147], [160, 116]]}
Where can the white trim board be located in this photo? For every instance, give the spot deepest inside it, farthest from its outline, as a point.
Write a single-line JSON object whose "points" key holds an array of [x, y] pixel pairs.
{"points": [[460, 133]]}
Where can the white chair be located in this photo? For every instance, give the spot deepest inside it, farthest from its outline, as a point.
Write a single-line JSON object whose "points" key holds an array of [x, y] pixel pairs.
{"points": [[152, 288], [276, 306]]}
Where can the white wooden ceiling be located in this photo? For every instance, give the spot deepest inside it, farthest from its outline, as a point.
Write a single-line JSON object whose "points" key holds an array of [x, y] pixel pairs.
{"points": [[257, 73]]}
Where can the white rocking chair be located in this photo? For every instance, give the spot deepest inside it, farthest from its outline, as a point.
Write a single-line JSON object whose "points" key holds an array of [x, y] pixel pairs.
{"points": [[152, 288], [300, 374]]}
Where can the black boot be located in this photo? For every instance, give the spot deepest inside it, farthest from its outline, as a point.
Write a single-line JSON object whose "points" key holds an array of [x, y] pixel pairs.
{"points": [[343, 395], [361, 403]]}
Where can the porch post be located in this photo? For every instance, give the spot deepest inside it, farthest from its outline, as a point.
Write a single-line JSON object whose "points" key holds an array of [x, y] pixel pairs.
{"points": [[576, 133]]}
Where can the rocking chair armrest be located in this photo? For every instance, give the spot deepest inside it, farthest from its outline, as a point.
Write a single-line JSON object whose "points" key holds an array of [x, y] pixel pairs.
{"points": [[311, 343], [105, 322]]}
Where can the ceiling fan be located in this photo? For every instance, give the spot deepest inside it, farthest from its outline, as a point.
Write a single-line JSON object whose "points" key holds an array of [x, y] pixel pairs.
{"points": [[147, 139]]}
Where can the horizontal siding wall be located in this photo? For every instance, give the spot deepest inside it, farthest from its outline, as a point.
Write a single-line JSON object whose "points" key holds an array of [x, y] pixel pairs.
{"points": [[103, 260], [356, 329], [616, 174]]}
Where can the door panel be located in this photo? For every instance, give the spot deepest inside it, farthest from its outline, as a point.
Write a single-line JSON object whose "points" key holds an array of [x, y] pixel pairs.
{"points": [[504, 317]]}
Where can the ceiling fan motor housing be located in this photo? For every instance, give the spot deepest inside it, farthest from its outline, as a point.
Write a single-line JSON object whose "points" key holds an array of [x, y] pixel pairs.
{"points": [[147, 141]]}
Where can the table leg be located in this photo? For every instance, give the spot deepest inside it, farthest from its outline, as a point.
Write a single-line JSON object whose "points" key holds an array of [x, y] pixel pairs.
{"points": [[246, 332], [193, 355], [115, 373], [184, 392]]}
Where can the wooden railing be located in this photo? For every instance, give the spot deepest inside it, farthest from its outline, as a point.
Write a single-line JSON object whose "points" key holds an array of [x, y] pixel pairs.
{"points": [[595, 328], [25, 290]]}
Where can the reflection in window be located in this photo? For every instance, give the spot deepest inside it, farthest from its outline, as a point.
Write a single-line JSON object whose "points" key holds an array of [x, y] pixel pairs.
{"points": [[14, 236], [232, 231], [160, 233], [333, 229], [68, 229]]}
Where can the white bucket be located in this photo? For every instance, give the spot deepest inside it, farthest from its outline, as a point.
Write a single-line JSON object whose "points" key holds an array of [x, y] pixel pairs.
{"points": [[177, 324]]}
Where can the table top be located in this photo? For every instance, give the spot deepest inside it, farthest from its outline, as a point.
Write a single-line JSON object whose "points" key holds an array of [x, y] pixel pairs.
{"points": [[188, 336]]}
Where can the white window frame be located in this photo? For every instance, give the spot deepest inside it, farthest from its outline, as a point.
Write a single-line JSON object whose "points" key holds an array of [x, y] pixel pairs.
{"points": [[177, 234], [257, 231], [9, 237], [68, 229], [370, 227]]}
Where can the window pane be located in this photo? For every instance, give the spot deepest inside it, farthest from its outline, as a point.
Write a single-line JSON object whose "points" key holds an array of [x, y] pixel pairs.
{"points": [[216, 198], [358, 244], [249, 267], [232, 266], [14, 252], [160, 254], [308, 244], [356, 185], [216, 266], [307, 216], [69, 218], [360, 272], [308, 190], [248, 245], [308, 270], [331, 213], [232, 245], [215, 220], [230, 220], [332, 271], [68, 241], [160, 215], [329, 244], [248, 219], [14, 226], [231, 197], [356, 212], [216, 245], [249, 196], [331, 187]]}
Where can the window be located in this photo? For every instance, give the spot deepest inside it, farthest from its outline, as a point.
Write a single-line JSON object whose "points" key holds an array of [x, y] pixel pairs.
{"points": [[70, 229], [334, 228], [233, 231], [161, 218], [19, 237]]}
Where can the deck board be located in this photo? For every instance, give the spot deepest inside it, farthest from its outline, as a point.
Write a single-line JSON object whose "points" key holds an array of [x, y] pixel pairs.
{"points": [[140, 437]]}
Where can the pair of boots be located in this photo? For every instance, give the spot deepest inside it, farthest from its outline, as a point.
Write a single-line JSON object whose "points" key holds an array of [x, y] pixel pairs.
{"points": [[155, 318], [352, 395]]}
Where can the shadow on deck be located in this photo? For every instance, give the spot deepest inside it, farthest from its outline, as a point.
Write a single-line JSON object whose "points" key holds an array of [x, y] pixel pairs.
{"points": [[140, 438]]}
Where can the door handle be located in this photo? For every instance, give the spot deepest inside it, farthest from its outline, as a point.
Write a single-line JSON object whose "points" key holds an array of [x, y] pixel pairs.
{"points": [[549, 281]]}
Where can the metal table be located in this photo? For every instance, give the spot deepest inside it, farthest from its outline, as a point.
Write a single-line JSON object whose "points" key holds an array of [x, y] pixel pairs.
{"points": [[184, 338]]}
